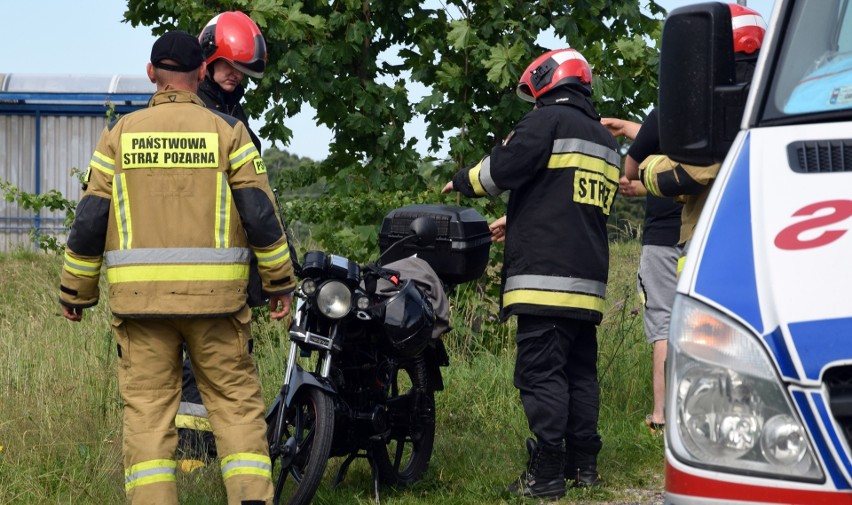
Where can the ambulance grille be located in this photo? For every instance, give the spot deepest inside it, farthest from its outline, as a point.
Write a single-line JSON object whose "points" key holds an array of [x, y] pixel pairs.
{"points": [[821, 156], [838, 382]]}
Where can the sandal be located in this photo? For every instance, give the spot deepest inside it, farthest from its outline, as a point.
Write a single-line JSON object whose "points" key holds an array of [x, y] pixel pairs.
{"points": [[656, 428]]}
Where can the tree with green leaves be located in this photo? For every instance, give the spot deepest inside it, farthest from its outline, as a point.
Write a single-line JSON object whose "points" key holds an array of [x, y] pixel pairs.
{"points": [[363, 66]]}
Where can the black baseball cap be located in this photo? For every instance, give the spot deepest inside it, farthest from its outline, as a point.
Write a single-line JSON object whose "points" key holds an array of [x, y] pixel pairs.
{"points": [[180, 47]]}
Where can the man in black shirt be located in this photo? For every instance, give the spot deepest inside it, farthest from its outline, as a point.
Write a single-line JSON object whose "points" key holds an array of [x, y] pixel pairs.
{"points": [[657, 276]]}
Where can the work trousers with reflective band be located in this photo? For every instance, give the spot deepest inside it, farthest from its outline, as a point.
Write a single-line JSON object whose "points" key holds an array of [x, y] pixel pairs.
{"points": [[556, 375], [149, 376]]}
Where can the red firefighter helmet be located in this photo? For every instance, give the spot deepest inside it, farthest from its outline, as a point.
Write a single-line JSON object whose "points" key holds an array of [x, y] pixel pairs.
{"points": [[749, 28], [560, 67], [234, 37]]}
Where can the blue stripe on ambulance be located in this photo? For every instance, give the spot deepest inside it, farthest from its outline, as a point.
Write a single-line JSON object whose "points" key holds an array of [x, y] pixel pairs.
{"points": [[813, 427], [778, 347], [820, 343], [728, 257]]}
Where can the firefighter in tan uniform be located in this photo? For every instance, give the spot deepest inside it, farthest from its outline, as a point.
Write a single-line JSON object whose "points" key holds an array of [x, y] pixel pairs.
{"points": [[177, 197], [691, 184]]}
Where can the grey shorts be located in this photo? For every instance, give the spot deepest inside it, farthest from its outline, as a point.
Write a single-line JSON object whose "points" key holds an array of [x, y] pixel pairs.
{"points": [[657, 283]]}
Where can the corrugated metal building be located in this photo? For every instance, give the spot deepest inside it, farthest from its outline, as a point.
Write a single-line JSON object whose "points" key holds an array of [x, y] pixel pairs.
{"points": [[49, 125]]}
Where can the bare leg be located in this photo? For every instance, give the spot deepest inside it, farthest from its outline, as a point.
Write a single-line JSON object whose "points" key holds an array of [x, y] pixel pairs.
{"points": [[661, 348]]}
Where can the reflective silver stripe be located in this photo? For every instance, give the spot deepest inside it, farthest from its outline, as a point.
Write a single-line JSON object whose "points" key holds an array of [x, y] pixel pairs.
{"points": [[122, 211], [192, 255], [245, 463], [103, 163], [553, 283], [485, 178], [141, 474], [280, 256], [83, 266], [236, 161], [192, 409], [224, 208], [590, 148]]}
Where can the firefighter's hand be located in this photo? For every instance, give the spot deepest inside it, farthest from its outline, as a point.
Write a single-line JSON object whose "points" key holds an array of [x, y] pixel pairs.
{"points": [[72, 313], [618, 127], [630, 188], [279, 306], [498, 229], [448, 187]]}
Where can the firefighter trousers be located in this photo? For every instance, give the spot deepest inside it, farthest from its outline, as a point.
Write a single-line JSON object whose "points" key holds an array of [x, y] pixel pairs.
{"points": [[556, 375], [149, 378]]}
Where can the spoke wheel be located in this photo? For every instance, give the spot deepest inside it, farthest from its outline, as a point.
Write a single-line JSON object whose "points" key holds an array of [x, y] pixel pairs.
{"points": [[310, 425], [404, 454]]}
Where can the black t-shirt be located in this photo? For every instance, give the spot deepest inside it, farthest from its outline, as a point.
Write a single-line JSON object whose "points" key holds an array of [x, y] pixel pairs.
{"points": [[662, 215]]}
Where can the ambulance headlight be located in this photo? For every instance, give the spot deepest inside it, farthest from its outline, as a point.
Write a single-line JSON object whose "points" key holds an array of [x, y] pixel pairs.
{"points": [[783, 441], [729, 410]]}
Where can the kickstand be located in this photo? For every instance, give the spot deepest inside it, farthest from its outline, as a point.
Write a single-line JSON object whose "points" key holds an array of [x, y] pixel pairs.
{"points": [[341, 473], [375, 468]]}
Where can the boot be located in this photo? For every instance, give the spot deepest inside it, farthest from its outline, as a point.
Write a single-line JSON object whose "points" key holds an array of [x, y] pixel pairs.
{"points": [[583, 470], [544, 476]]}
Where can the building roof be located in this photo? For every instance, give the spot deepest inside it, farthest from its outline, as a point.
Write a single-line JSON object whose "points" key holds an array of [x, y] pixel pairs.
{"points": [[72, 93]]}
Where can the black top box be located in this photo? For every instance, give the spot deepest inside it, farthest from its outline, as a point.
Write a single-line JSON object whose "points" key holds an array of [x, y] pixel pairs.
{"points": [[460, 252]]}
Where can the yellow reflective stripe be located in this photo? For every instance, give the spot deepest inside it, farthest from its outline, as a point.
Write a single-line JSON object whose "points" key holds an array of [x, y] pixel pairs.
{"points": [[595, 180], [193, 422], [585, 162], [151, 479], [80, 267], [246, 463], [223, 212], [184, 272], [169, 150], [149, 472], [473, 175], [648, 178], [121, 202], [274, 257], [553, 299], [242, 155], [103, 163], [680, 262]]}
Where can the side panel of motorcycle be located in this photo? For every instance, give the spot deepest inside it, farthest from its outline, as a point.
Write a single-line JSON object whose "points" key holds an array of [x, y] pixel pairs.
{"points": [[460, 252]]}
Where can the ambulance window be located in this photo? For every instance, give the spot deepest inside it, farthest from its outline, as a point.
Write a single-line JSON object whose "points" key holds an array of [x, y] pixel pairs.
{"points": [[815, 66]]}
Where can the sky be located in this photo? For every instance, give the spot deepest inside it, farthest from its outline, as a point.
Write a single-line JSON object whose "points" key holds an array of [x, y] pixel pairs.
{"points": [[89, 37]]}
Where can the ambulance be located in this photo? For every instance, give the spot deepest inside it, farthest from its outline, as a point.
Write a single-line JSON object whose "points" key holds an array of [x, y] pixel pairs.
{"points": [[759, 370]]}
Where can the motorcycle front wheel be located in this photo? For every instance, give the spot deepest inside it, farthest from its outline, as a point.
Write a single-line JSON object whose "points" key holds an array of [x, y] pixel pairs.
{"points": [[403, 455], [310, 423]]}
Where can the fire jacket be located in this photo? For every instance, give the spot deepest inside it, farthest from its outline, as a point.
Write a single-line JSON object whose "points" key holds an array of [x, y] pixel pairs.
{"points": [[562, 168], [691, 184], [176, 197]]}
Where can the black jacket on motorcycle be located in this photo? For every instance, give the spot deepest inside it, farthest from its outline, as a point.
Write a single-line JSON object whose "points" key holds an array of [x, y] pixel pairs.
{"points": [[562, 167]]}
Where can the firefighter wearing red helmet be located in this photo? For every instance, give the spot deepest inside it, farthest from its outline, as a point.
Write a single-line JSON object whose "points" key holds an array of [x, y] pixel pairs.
{"points": [[561, 167], [233, 47]]}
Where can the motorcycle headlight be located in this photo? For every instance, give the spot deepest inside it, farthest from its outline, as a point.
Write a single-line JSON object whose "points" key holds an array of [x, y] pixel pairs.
{"points": [[729, 409], [309, 287], [334, 299]]}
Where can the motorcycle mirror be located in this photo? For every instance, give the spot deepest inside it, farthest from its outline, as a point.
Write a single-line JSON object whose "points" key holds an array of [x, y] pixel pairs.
{"points": [[425, 229]]}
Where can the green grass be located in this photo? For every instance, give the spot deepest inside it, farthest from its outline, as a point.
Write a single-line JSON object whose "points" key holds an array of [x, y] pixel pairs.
{"points": [[60, 428]]}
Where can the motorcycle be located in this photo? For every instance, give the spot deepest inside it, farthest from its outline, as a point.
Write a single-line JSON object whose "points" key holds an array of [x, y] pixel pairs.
{"points": [[361, 374]]}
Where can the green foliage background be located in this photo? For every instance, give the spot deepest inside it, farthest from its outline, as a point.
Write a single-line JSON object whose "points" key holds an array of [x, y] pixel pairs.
{"points": [[362, 65]]}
